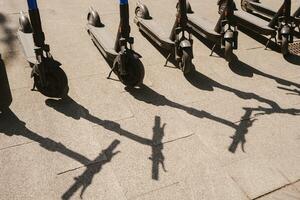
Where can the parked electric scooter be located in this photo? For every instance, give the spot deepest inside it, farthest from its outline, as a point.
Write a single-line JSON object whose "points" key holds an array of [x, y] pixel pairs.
{"points": [[49, 78], [123, 60], [5, 93], [178, 43], [223, 33], [256, 6], [281, 23]]}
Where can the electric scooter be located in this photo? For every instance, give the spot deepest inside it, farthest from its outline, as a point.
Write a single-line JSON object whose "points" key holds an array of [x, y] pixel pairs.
{"points": [[49, 78], [281, 23], [5, 93], [178, 43], [223, 34], [119, 54]]}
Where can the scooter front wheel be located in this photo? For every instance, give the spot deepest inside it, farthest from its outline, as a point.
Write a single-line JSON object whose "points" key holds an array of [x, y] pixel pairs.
{"points": [[228, 51], [285, 45], [135, 71], [186, 62], [56, 81]]}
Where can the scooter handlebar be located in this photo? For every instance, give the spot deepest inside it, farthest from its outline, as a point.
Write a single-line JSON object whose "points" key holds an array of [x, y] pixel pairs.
{"points": [[32, 4], [123, 2]]}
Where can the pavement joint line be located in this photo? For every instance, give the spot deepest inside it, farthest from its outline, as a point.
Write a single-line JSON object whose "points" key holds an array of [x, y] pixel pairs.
{"points": [[277, 189], [158, 189], [180, 138], [17, 145], [241, 189], [80, 167]]}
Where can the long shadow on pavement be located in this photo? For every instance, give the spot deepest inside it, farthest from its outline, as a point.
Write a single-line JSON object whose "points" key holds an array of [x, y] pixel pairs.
{"points": [[11, 125], [243, 69], [5, 92], [157, 147], [72, 109], [202, 82], [86, 178], [241, 129]]}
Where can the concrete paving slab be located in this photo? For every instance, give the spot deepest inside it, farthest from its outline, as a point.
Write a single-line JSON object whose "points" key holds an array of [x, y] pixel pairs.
{"points": [[175, 191], [288, 193], [207, 116], [256, 177]]}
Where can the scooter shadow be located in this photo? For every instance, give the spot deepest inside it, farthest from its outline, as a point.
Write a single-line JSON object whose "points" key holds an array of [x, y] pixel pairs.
{"points": [[5, 92], [293, 59], [243, 69]]}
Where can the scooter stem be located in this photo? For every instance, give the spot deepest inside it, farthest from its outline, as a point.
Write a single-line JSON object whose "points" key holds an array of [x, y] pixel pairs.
{"points": [[181, 19], [124, 27], [35, 19], [285, 11]]}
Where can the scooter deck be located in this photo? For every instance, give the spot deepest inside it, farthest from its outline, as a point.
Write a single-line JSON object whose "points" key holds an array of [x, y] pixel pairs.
{"points": [[156, 33], [267, 11], [254, 23], [103, 40], [28, 46], [204, 27]]}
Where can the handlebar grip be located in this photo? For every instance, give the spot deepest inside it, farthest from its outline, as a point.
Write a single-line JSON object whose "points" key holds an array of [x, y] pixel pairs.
{"points": [[32, 4], [123, 2]]}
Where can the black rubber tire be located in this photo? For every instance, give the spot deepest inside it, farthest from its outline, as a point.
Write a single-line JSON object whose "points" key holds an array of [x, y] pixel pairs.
{"points": [[186, 62], [285, 45], [135, 71], [244, 6], [57, 80], [228, 53]]}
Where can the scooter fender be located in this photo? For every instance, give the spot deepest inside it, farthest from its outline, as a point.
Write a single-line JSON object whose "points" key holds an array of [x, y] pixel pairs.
{"points": [[185, 44], [286, 30], [229, 35]]}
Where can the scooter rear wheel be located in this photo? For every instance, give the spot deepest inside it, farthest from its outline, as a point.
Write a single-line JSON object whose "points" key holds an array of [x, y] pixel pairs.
{"points": [[57, 81], [285, 45], [228, 51], [187, 65], [135, 71], [245, 7]]}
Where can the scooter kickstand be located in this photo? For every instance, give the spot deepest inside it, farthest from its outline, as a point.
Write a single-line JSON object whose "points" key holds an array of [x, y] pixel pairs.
{"points": [[166, 64], [269, 40], [109, 75], [213, 50], [111, 71], [33, 87]]}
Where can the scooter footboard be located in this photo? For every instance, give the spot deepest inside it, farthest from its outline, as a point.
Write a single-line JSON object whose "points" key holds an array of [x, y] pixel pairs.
{"points": [[251, 22]]}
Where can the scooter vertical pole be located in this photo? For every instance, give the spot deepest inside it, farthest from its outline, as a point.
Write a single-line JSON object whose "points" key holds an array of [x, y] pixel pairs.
{"points": [[181, 19], [38, 39], [35, 19], [297, 13], [124, 27], [285, 11]]}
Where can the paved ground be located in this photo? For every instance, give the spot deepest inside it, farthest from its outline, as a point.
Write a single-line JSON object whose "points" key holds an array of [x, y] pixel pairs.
{"points": [[227, 132]]}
